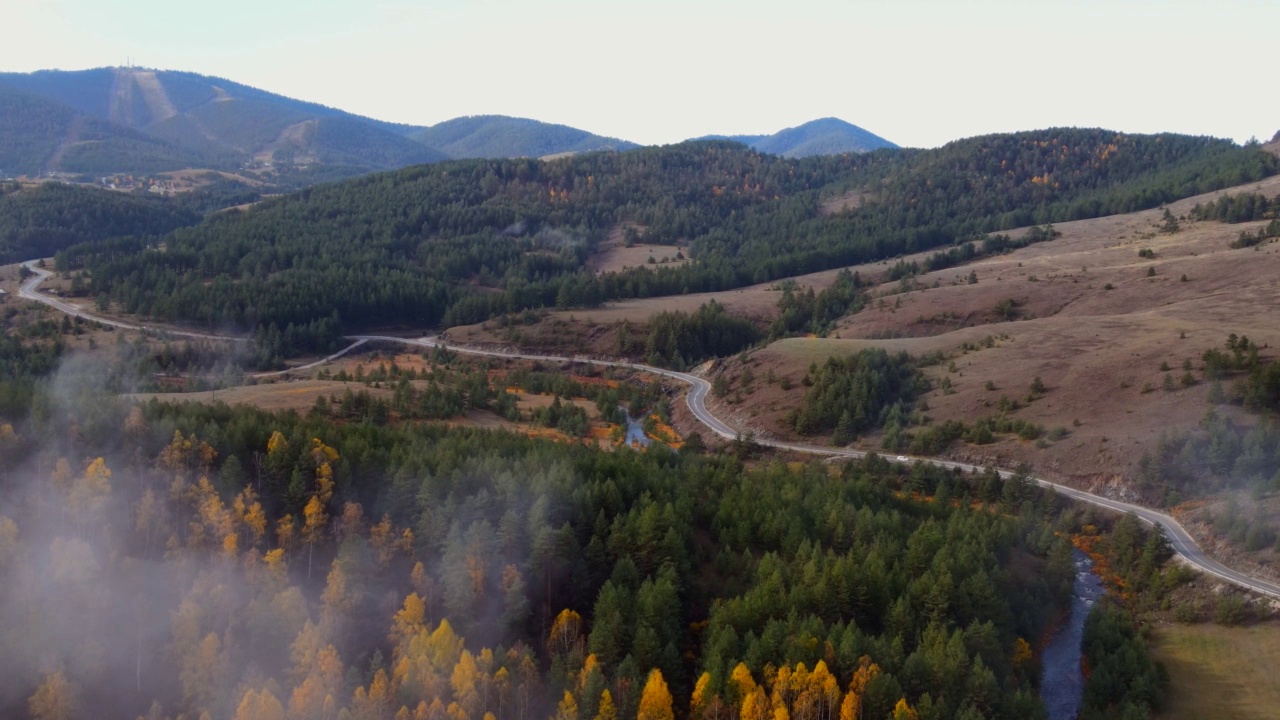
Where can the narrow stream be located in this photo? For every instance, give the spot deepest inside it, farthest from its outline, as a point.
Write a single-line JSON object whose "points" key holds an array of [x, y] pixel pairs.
{"points": [[1062, 686], [635, 429]]}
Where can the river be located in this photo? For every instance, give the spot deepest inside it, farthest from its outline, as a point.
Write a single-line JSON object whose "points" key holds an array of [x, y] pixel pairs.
{"points": [[1062, 686], [635, 429]]}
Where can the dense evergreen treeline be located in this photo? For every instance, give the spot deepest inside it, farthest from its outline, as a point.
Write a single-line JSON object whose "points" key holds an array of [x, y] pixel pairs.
{"points": [[1237, 208], [459, 242], [1243, 208], [22, 364], [41, 221], [802, 311], [858, 393], [678, 339], [970, 251], [1125, 682]]}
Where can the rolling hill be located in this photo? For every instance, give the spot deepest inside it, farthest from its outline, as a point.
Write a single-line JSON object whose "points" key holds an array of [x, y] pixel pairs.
{"points": [[499, 136], [459, 242], [826, 136]]}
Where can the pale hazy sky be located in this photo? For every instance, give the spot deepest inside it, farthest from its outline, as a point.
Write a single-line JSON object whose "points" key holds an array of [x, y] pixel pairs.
{"points": [[917, 73]]}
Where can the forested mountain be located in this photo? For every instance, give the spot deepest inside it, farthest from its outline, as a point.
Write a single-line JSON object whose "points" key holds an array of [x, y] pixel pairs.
{"points": [[498, 136], [214, 122], [135, 120], [39, 135], [826, 136], [39, 221], [458, 242]]}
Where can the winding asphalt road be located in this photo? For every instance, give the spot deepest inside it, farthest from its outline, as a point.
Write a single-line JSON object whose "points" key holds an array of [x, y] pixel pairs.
{"points": [[1182, 542]]}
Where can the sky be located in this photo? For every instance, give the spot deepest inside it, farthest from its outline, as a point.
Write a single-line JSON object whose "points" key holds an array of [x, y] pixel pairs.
{"points": [[917, 73]]}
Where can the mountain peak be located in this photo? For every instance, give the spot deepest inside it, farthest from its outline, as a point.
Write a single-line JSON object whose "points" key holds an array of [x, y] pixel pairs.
{"points": [[824, 136], [506, 136]]}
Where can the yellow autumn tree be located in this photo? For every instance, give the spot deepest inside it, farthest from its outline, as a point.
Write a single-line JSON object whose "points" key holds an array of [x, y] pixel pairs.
{"points": [[1021, 652], [286, 533], [756, 705], [305, 650], [655, 699], [203, 672], [90, 491], [54, 699], [382, 540], [259, 706], [277, 567], [742, 680], [276, 443], [251, 515], [351, 522], [566, 633], [184, 454], [135, 426], [606, 709], [307, 700], [463, 680], [903, 711], [323, 456], [815, 693], [568, 708], [230, 545], [701, 694], [851, 706], [409, 620], [313, 521]]}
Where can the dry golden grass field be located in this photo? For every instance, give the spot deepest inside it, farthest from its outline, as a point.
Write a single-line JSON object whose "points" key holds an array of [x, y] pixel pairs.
{"points": [[1099, 351], [613, 255], [298, 395], [1218, 672]]}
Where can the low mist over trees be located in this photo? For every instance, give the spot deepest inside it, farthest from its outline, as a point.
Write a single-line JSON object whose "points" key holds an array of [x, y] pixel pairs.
{"points": [[161, 559]]}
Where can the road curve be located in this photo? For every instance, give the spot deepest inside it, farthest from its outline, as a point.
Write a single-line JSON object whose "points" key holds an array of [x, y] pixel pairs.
{"points": [[1183, 544]]}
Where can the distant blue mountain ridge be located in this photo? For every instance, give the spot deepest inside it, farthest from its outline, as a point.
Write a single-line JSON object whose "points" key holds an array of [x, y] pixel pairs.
{"points": [[136, 120]]}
